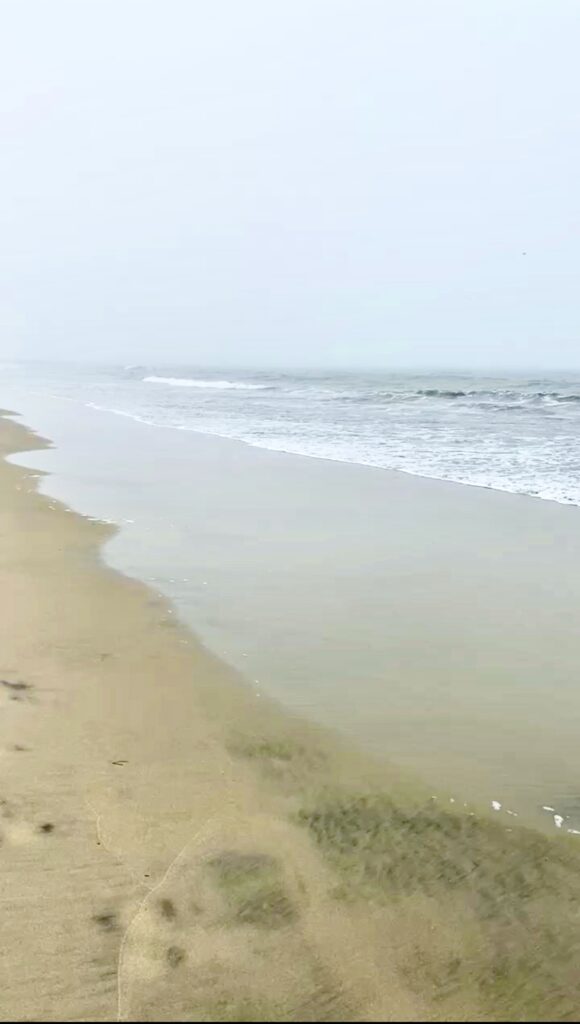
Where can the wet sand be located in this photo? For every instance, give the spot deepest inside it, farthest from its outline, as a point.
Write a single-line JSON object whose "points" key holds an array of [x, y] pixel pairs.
{"points": [[173, 847]]}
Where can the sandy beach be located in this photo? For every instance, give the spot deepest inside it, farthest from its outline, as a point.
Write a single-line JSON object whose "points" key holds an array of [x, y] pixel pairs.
{"points": [[148, 872], [173, 847]]}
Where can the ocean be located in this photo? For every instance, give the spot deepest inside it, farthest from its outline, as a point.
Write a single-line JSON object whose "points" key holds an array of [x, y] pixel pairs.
{"points": [[513, 433], [431, 624]]}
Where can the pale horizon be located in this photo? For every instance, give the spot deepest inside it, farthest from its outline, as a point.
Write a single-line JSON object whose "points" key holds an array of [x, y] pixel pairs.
{"points": [[296, 368], [316, 184]]}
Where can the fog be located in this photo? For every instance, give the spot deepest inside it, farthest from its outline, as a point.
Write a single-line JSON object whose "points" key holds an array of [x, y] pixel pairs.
{"points": [[313, 183]]}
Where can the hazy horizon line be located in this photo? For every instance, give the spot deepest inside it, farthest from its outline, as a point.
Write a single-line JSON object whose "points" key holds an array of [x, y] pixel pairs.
{"points": [[280, 368]]}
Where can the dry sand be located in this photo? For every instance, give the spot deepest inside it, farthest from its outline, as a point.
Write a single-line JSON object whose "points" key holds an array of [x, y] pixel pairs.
{"points": [[171, 847]]}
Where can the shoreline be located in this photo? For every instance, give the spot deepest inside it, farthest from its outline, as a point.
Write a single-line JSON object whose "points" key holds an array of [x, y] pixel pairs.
{"points": [[419, 618], [110, 799], [174, 848]]}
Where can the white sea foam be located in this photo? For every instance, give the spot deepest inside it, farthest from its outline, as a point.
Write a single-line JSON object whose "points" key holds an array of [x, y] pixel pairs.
{"points": [[218, 385]]}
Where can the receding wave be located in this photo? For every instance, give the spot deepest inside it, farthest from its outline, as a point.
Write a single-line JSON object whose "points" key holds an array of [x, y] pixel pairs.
{"points": [[219, 385]]}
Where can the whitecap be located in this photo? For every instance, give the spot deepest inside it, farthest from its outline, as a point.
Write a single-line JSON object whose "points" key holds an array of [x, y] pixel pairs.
{"points": [[220, 385]]}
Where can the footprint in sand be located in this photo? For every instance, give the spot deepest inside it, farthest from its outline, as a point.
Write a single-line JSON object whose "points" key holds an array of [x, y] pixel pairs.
{"points": [[198, 946], [15, 690], [17, 830]]}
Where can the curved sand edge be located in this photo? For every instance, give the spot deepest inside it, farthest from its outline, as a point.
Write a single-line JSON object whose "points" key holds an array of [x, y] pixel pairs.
{"points": [[173, 848]]}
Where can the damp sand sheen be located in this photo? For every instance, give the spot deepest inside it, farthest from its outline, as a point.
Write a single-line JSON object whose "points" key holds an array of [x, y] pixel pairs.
{"points": [[174, 848]]}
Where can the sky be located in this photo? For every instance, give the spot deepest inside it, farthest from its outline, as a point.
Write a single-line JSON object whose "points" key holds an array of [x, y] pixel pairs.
{"points": [[365, 183]]}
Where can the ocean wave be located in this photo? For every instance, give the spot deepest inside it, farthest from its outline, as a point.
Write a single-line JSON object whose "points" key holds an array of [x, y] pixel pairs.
{"points": [[219, 385], [437, 393], [495, 395]]}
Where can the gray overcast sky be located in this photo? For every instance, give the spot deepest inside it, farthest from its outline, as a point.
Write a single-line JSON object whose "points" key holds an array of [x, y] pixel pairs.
{"points": [[313, 182]]}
